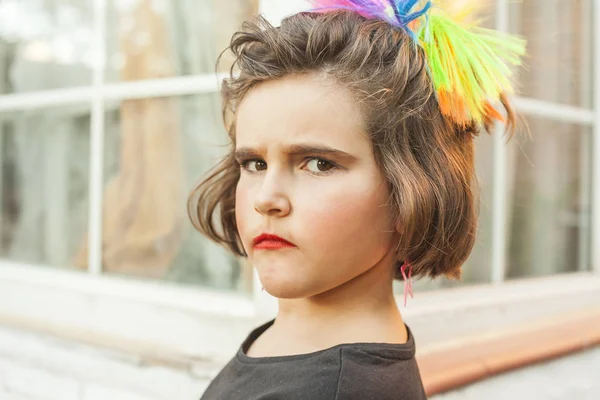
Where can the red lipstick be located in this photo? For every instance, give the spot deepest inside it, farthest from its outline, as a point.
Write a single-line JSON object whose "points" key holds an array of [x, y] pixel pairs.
{"points": [[268, 241]]}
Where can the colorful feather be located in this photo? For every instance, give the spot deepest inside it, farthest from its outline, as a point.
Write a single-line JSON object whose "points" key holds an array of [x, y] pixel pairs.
{"points": [[470, 67], [395, 12]]}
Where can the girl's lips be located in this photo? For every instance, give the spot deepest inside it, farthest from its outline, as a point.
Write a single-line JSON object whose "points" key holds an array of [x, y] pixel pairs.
{"points": [[272, 245], [269, 241]]}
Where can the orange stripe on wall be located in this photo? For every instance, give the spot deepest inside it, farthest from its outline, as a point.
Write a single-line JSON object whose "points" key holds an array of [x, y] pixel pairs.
{"points": [[475, 358]]}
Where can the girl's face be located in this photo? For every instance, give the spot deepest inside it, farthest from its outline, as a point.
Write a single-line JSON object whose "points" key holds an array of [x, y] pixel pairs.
{"points": [[308, 175]]}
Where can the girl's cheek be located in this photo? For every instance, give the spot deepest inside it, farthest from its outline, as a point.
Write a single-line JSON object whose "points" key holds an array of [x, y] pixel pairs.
{"points": [[347, 213], [334, 211]]}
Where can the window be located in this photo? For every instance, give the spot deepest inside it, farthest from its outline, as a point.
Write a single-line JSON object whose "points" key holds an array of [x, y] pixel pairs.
{"points": [[549, 176], [136, 132], [548, 195], [53, 50], [44, 187], [155, 150]]}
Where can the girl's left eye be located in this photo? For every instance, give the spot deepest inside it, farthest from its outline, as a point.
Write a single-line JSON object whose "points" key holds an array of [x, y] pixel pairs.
{"points": [[319, 165]]}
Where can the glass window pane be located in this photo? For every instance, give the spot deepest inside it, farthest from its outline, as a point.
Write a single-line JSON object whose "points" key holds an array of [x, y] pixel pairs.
{"points": [[558, 62], [159, 38], [548, 200], [156, 150], [45, 44], [44, 182]]}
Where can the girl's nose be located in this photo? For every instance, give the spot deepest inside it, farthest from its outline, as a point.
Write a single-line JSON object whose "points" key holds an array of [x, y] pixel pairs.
{"points": [[271, 199]]}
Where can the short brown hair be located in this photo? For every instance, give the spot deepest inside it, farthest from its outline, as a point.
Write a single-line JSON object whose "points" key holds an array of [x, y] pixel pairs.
{"points": [[428, 161]]}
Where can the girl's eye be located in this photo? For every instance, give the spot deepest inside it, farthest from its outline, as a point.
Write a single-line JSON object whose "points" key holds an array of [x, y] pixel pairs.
{"points": [[319, 165], [314, 165], [254, 165]]}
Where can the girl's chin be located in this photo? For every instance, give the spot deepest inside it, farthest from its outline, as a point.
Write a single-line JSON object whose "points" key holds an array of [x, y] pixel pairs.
{"points": [[289, 289], [286, 290], [286, 280]]}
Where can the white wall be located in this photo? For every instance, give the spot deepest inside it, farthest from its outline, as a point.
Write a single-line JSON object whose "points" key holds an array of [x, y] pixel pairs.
{"points": [[275, 10]]}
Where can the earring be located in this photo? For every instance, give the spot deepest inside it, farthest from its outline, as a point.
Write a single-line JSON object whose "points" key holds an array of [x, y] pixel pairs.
{"points": [[407, 280]]}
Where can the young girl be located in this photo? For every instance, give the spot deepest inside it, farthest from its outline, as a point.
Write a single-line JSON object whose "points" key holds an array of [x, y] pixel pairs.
{"points": [[352, 131]]}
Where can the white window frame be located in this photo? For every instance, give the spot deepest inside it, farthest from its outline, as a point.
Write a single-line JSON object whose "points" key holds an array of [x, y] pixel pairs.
{"points": [[131, 305]]}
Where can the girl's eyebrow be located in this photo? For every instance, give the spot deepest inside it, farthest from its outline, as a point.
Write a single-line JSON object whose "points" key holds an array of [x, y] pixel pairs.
{"points": [[298, 150]]}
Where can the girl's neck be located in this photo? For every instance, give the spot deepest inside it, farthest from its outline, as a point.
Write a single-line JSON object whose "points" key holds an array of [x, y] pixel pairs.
{"points": [[361, 310]]}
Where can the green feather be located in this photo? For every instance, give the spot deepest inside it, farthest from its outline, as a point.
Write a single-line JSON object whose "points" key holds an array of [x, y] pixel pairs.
{"points": [[469, 66]]}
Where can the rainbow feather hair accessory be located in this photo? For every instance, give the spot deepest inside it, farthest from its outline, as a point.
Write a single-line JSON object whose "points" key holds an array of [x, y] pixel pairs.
{"points": [[470, 66], [395, 12]]}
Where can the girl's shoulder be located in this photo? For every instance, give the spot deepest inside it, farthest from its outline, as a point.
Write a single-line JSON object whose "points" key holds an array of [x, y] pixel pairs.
{"points": [[379, 371]]}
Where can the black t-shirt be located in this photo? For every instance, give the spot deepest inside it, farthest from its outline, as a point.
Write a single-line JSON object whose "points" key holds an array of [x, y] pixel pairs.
{"points": [[351, 371]]}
